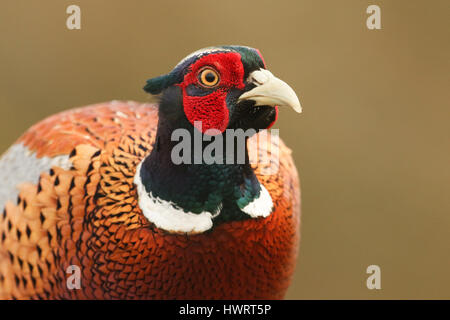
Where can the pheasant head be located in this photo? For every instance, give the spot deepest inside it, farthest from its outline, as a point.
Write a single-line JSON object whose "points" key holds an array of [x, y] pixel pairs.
{"points": [[222, 87]]}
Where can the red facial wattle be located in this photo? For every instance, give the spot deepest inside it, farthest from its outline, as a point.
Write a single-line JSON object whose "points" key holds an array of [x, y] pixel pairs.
{"points": [[207, 112], [211, 110]]}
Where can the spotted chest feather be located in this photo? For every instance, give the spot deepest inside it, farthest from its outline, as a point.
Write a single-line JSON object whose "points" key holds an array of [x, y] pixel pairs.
{"points": [[88, 215]]}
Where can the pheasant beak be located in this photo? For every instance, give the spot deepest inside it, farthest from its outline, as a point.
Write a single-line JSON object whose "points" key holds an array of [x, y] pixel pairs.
{"points": [[270, 91]]}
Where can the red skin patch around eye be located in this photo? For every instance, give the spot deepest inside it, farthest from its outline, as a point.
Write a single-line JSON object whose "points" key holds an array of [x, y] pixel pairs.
{"points": [[211, 110]]}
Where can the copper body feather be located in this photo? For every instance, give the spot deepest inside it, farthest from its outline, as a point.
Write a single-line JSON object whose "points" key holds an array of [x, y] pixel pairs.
{"points": [[88, 216]]}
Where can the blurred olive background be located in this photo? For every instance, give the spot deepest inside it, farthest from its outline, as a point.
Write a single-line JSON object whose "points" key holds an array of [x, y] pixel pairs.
{"points": [[372, 146]]}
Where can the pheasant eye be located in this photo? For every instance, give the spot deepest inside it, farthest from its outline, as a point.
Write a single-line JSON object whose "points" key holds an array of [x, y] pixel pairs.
{"points": [[209, 77]]}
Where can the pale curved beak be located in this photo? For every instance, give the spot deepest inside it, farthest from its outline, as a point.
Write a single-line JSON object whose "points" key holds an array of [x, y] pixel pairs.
{"points": [[271, 91]]}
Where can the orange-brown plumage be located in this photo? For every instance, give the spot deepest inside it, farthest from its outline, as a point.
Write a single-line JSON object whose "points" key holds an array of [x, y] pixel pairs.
{"points": [[88, 216]]}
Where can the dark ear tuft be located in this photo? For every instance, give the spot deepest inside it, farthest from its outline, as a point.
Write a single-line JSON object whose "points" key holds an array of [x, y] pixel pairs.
{"points": [[157, 85]]}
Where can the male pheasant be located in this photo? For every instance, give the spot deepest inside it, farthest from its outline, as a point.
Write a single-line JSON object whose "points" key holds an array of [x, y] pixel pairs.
{"points": [[106, 190]]}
